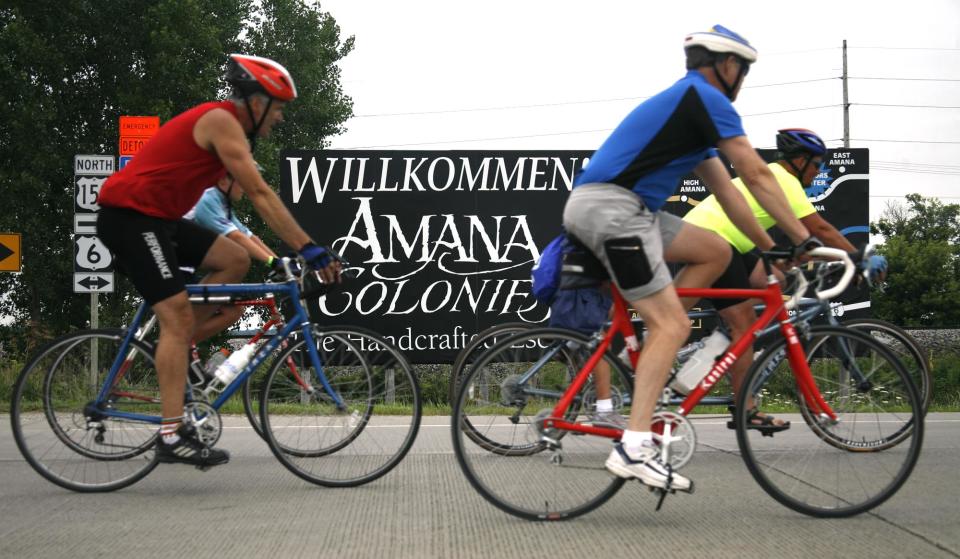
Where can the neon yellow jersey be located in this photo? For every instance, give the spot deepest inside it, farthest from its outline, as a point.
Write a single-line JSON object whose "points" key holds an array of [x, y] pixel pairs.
{"points": [[709, 215]]}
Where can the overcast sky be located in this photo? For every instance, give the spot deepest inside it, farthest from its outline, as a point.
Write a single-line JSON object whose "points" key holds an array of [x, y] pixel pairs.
{"points": [[498, 75]]}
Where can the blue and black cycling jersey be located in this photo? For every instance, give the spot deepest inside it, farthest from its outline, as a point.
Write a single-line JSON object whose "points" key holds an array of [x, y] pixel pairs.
{"points": [[663, 139]]}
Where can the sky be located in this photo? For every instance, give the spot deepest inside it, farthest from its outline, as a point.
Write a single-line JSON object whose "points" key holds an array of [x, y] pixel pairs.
{"points": [[519, 74]]}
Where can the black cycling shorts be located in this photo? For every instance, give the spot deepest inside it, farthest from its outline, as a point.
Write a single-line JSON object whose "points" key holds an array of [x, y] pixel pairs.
{"points": [[150, 250], [736, 276]]}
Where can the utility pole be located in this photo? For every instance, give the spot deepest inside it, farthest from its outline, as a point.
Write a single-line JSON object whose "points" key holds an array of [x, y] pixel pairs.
{"points": [[846, 100]]}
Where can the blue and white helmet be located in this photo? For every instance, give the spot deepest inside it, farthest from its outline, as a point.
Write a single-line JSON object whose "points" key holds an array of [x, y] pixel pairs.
{"points": [[800, 141], [722, 40]]}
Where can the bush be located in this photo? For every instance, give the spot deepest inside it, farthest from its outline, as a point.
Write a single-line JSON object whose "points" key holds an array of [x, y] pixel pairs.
{"points": [[945, 367]]}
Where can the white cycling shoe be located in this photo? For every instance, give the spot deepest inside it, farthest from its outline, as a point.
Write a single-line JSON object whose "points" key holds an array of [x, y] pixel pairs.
{"points": [[646, 468]]}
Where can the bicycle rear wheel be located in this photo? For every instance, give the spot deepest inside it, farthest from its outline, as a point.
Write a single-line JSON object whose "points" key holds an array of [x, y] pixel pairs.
{"points": [[341, 447], [820, 468], [906, 348], [538, 473], [473, 350], [59, 431]]}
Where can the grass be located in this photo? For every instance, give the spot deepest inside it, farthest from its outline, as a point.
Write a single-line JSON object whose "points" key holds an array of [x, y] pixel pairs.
{"points": [[945, 366]]}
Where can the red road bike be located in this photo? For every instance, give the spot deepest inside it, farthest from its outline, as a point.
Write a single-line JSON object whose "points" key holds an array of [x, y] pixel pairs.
{"points": [[522, 436]]}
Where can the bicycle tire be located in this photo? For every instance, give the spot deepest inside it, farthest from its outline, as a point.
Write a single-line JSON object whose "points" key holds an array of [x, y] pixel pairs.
{"points": [[802, 469], [908, 349], [342, 448], [483, 341], [82, 451], [532, 485], [507, 354], [253, 386]]}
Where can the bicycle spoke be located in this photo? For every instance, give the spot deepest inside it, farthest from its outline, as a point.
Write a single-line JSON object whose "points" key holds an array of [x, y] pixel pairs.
{"points": [[823, 467]]}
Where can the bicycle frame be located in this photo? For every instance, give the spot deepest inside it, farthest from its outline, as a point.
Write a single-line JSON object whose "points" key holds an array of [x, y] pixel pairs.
{"points": [[225, 293], [264, 330], [774, 309]]}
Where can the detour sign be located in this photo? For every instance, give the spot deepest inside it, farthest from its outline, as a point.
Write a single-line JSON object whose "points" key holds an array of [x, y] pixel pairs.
{"points": [[135, 131]]}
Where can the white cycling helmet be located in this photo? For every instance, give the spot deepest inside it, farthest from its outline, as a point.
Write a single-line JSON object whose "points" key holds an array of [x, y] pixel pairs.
{"points": [[722, 40]]}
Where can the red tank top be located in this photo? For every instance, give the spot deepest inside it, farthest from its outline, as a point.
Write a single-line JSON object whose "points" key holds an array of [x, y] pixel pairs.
{"points": [[169, 174]]}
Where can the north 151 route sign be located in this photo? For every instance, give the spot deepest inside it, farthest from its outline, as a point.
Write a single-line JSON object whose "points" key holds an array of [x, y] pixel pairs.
{"points": [[92, 262]]}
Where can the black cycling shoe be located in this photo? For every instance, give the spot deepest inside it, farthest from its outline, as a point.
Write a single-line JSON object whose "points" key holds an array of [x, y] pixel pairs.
{"points": [[190, 450]]}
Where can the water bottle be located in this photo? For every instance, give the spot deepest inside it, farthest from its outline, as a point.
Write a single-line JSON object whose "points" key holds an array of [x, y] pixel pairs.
{"points": [[700, 363], [229, 369], [215, 361]]}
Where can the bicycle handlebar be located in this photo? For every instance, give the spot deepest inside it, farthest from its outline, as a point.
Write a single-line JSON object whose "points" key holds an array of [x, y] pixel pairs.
{"points": [[833, 254], [849, 269]]}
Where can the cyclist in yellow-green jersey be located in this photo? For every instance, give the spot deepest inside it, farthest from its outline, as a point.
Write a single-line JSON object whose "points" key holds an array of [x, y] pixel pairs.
{"points": [[801, 155]]}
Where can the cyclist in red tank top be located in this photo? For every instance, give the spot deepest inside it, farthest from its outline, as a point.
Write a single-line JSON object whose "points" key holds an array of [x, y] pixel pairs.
{"points": [[141, 222]]}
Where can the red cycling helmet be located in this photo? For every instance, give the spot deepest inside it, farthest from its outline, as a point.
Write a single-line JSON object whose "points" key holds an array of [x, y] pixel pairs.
{"points": [[254, 74]]}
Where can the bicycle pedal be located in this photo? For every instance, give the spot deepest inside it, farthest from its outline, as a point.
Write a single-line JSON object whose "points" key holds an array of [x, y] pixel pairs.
{"points": [[663, 496]]}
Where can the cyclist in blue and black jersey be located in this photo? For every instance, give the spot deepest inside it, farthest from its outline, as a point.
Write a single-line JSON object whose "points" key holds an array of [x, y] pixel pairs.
{"points": [[614, 210]]}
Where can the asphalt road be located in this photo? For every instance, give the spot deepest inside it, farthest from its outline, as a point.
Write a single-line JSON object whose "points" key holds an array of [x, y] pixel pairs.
{"points": [[425, 508]]}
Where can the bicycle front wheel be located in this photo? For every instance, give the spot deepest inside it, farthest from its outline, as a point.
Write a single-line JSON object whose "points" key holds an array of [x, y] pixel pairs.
{"points": [[62, 432], [341, 446], [906, 348], [824, 467], [502, 442]]}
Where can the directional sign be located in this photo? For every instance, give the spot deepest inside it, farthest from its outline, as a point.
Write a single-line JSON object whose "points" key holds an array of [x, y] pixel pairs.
{"points": [[91, 254], [85, 224], [124, 159], [93, 283], [10, 259], [92, 164], [88, 191]]}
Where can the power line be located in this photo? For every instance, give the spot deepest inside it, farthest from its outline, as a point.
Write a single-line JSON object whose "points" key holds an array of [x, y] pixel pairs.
{"points": [[904, 196], [903, 141], [904, 79], [482, 139], [804, 51], [905, 48], [791, 83], [907, 106], [502, 108], [914, 171], [567, 133], [564, 103], [911, 164], [794, 110]]}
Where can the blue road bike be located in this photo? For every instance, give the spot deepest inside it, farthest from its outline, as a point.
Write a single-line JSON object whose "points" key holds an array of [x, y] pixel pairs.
{"points": [[85, 409]]}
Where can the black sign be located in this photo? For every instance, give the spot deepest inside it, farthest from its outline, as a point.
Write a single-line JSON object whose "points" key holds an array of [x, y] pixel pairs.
{"points": [[444, 241]]}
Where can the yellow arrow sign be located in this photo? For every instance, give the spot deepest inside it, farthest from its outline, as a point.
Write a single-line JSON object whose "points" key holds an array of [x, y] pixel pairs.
{"points": [[10, 258]]}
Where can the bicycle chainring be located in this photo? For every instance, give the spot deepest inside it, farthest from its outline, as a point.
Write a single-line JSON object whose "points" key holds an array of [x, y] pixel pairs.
{"points": [[682, 440], [205, 419], [541, 431]]}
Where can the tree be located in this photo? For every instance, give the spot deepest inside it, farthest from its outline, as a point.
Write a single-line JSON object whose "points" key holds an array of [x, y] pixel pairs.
{"points": [[922, 245], [69, 69]]}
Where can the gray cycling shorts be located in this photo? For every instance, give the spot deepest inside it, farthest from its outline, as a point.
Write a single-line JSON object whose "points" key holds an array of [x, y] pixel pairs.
{"points": [[625, 236]]}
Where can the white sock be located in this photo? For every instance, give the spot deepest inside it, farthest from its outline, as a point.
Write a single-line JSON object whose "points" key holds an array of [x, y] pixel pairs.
{"points": [[632, 441], [168, 429], [605, 405]]}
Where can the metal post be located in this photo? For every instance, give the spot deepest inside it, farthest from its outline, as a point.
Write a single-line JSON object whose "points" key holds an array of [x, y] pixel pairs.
{"points": [[846, 100], [391, 396], [94, 342]]}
